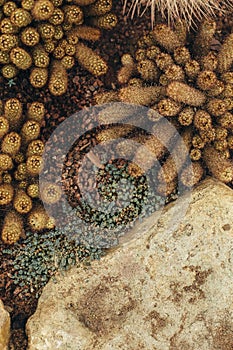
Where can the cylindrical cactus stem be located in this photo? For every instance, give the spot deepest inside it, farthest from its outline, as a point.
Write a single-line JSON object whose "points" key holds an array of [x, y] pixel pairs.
{"points": [[182, 92], [217, 107], [33, 190], [84, 32], [30, 131], [35, 148], [22, 202], [192, 174], [166, 37], [6, 162], [6, 194], [186, 116], [168, 108], [42, 10], [114, 132], [166, 189], [58, 81], [38, 77], [107, 21], [115, 113], [13, 111], [4, 126], [182, 55], [192, 69], [153, 147], [177, 158], [126, 71], [12, 228], [99, 8], [210, 61], [90, 61], [34, 165], [206, 80], [36, 111], [140, 95], [106, 97], [202, 120], [147, 70], [204, 37], [84, 2], [218, 165], [21, 58], [37, 218], [225, 56], [11, 143], [195, 154], [50, 193]]}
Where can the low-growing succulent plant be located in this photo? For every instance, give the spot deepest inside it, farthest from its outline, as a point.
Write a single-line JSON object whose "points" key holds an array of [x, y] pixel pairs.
{"points": [[191, 88], [42, 255], [44, 36]]}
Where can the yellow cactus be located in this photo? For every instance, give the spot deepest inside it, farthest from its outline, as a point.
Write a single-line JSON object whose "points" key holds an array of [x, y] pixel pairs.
{"points": [[39, 77], [30, 131], [6, 194], [42, 10], [58, 81], [34, 165], [37, 219], [12, 228], [11, 143], [20, 58], [89, 60]]}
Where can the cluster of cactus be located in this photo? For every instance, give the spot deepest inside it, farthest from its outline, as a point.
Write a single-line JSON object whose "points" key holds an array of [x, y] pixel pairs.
{"points": [[190, 86], [20, 164], [44, 36]]}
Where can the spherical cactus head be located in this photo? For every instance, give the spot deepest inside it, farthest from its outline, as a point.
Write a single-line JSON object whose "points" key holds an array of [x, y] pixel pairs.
{"points": [[42, 10], [11, 143], [22, 202], [21, 58], [37, 219], [50, 193], [36, 111], [6, 194], [12, 228], [34, 165]]}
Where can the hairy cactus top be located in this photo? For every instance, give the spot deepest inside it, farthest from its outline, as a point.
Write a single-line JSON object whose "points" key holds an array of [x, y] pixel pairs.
{"points": [[192, 87], [173, 10], [44, 35]]}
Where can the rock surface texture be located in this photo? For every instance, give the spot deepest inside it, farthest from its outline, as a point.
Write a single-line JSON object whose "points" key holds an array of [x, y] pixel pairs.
{"points": [[4, 327], [169, 286]]}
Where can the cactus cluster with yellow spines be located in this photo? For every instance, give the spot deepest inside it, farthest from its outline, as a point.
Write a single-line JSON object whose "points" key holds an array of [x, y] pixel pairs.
{"points": [[21, 152], [191, 86], [43, 36]]}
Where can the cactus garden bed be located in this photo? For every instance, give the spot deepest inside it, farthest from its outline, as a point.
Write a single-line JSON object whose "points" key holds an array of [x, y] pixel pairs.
{"points": [[28, 264]]}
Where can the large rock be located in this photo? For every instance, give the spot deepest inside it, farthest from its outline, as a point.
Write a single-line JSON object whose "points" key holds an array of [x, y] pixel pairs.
{"points": [[4, 327], [163, 289]]}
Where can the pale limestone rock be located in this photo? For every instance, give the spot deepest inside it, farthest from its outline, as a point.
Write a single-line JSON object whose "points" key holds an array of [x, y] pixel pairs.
{"points": [[4, 327], [169, 286]]}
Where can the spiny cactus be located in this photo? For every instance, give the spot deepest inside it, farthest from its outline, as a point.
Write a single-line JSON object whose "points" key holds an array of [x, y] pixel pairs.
{"points": [[176, 10], [44, 36], [20, 164], [191, 88]]}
